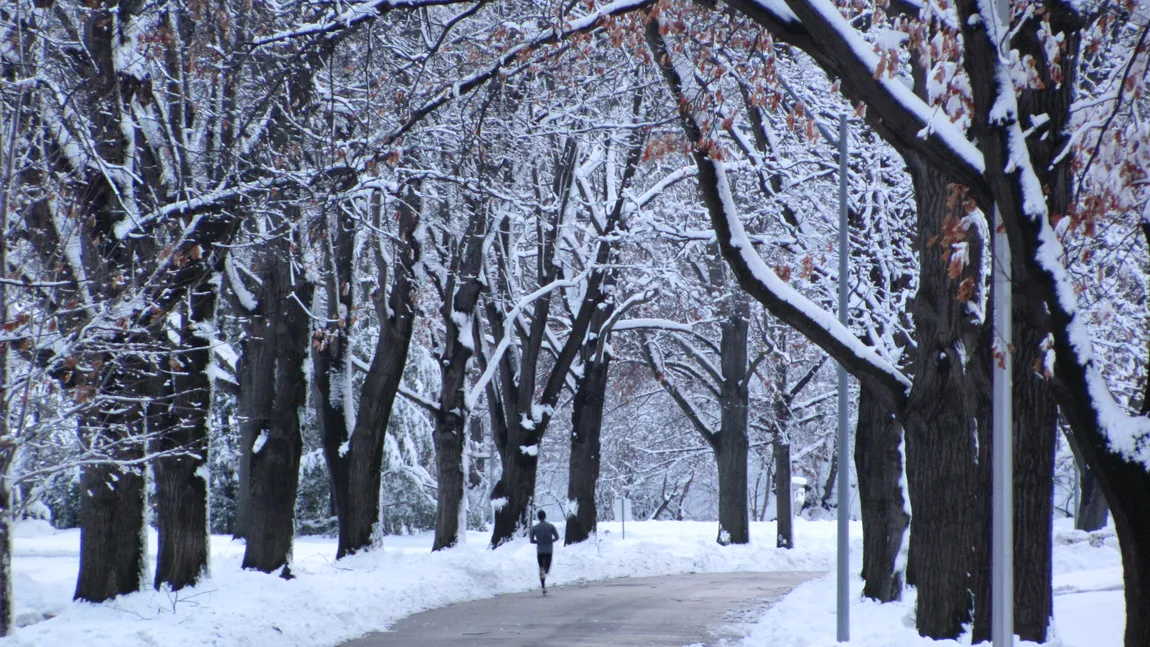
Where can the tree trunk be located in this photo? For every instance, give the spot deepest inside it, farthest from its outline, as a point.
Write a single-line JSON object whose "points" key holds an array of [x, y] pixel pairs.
{"points": [[1092, 510], [514, 494], [1091, 513], [583, 467], [365, 456], [112, 498], [449, 438], [331, 375], [784, 497], [274, 470], [731, 444], [878, 461], [256, 377], [112, 545], [6, 518], [462, 332], [1035, 434], [396, 314], [181, 482], [946, 421], [781, 444]]}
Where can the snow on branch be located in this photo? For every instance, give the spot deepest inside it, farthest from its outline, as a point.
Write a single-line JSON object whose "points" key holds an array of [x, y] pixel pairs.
{"points": [[505, 342], [1024, 200], [513, 57], [752, 272], [892, 109], [347, 16]]}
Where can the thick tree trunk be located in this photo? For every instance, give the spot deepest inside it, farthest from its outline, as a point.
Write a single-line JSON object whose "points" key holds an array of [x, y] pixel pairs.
{"points": [[181, 481], [256, 377], [1035, 433], [462, 332], [331, 377], [112, 497], [731, 443], [365, 456], [274, 469], [583, 467], [450, 434], [514, 494], [946, 421], [330, 370], [112, 546], [731, 457], [878, 461]]}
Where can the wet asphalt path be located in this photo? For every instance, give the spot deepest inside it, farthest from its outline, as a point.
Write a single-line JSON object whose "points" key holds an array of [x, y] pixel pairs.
{"points": [[669, 611]]}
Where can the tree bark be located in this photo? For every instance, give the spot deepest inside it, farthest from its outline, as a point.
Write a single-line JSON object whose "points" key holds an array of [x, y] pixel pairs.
{"points": [[781, 444], [731, 443], [1092, 510], [6, 518], [583, 467], [331, 377], [1091, 513], [784, 497], [396, 314], [462, 333], [112, 546], [1035, 434], [181, 482], [274, 469], [946, 422], [526, 412], [878, 461]]}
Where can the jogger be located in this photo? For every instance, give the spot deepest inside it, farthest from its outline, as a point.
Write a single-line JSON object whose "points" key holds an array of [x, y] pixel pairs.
{"points": [[543, 535]]}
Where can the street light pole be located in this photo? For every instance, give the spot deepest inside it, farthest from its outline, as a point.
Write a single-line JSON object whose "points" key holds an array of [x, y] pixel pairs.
{"points": [[843, 485], [1002, 450], [1002, 422]]}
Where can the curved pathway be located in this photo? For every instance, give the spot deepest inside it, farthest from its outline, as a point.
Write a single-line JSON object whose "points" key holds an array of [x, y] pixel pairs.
{"points": [[669, 611]]}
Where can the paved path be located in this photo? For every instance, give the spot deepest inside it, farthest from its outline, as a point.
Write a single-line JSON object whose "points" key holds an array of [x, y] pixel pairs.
{"points": [[667, 611]]}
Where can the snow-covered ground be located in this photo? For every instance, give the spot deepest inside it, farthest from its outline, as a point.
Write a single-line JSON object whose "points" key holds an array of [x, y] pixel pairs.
{"points": [[1088, 604], [330, 602]]}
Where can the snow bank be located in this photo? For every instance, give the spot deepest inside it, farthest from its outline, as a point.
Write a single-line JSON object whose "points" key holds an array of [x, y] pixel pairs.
{"points": [[330, 602], [1088, 604]]}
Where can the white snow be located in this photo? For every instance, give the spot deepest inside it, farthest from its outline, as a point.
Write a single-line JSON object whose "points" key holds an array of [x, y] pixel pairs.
{"points": [[1126, 434], [529, 450], [260, 440], [784, 292], [464, 324], [1088, 603], [330, 602], [934, 121]]}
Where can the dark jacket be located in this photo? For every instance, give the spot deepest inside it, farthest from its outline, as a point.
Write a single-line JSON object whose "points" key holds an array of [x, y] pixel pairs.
{"points": [[544, 535]]}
